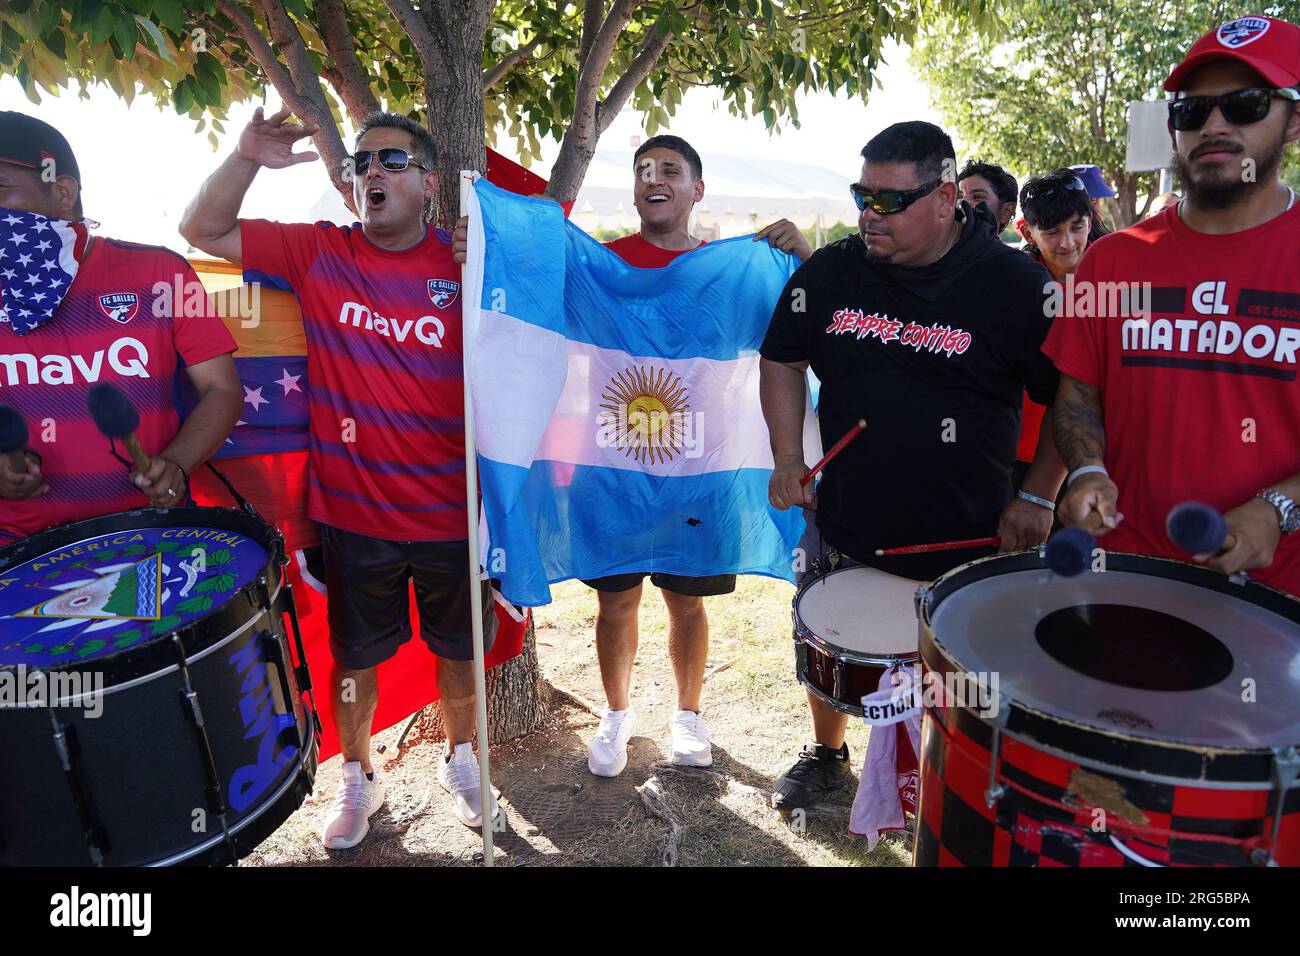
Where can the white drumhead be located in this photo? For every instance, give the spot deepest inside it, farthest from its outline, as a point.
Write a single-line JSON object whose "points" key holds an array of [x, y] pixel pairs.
{"points": [[993, 625], [862, 609]]}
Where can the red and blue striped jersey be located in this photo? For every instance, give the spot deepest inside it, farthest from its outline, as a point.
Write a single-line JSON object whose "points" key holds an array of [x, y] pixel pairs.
{"points": [[384, 365], [128, 315]]}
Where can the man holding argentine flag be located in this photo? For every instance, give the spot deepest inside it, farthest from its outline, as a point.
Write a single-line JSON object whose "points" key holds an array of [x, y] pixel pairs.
{"points": [[633, 443]]}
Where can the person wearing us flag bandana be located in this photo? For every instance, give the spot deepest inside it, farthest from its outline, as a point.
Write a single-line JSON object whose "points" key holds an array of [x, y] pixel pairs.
{"points": [[77, 310]]}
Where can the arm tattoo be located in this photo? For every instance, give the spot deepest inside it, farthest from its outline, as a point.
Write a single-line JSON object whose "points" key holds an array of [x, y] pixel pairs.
{"points": [[1077, 424]]}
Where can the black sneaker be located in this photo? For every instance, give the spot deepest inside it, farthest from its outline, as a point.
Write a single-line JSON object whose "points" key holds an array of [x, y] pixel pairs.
{"points": [[819, 771]]}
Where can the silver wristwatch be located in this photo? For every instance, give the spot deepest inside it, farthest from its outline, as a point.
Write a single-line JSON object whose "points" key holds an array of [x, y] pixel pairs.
{"points": [[1288, 511]]}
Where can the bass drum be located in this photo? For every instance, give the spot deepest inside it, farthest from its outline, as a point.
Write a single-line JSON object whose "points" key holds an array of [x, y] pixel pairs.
{"points": [[151, 709], [1142, 715]]}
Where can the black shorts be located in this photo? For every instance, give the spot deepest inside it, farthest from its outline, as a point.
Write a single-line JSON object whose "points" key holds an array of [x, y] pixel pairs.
{"points": [[369, 611], [677, 583]]}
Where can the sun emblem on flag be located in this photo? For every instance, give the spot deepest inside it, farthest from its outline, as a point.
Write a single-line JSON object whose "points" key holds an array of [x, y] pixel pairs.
{"points": [[644, 412]]}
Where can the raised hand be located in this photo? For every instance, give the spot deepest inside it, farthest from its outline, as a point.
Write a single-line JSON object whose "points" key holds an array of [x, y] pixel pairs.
{"points": [[269, 142]]}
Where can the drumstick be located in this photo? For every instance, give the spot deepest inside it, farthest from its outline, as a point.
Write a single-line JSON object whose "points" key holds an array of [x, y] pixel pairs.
{"points": [[838, 447], [939, 546], [1199, 528], [116, 417]]}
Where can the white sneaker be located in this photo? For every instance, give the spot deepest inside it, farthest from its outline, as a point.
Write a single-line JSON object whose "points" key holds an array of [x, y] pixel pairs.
{"points": [[348, 821], [459, 776], [607, 755], [691, 746]]}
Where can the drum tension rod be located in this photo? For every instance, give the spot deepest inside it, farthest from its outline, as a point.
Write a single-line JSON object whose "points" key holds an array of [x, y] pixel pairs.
{"points": [[1286, 767], [281, 656], [192, 709], [994, 792], [300, 673], [65, 742]]}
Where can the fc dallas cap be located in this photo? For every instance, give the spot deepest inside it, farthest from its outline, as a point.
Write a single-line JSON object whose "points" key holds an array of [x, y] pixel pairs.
{"points": [[1269, 46], [27, 141]]}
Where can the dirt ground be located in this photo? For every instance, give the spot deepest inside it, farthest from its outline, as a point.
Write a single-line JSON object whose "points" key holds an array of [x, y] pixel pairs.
{"points": [[559, 814]]}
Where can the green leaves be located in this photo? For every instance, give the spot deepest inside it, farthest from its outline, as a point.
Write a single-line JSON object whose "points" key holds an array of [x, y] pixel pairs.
{"points": [[1056, 91]]}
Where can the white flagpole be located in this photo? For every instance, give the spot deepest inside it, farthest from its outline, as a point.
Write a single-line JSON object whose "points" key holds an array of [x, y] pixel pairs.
{"points": [[475, 590]]}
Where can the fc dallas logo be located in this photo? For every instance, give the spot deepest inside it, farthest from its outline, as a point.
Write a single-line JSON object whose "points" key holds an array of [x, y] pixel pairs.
{"points": [[1243, 30], [443, 292], [120, 306]]}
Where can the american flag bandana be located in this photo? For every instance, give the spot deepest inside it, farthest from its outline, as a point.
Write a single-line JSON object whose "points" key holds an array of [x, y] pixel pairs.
{"points": [[38, 261]]}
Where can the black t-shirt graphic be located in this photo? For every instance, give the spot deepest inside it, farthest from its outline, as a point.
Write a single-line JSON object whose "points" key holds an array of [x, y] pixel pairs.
{"points": [[936, 360]]}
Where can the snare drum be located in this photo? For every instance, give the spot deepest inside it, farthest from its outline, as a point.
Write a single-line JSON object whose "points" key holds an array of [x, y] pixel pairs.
{"points": [[851, 625], [1147, 714], [151, 710]]}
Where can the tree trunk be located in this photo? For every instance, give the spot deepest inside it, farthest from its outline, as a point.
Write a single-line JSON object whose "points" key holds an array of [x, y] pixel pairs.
{"points": [[576, 152], [516, 702], [453, 90]]}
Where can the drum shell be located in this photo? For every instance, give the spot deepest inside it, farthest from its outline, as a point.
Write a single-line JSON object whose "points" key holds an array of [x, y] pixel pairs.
{"points": [[1052, 773], [142, 765], [840, 677], [1041, 819], [140, 771]]}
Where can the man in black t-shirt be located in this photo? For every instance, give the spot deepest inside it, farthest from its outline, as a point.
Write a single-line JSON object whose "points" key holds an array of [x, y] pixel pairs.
{"points": [[928, 327]]}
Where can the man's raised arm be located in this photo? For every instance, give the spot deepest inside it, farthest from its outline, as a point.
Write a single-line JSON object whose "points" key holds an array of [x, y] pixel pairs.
{"points": [[211, 221]]}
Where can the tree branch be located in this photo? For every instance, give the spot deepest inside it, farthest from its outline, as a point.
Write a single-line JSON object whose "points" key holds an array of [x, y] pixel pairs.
{"points": [[287, 40], [416, 27], [312, 109], [600, 51], [348, 76], [637, 70], [593, 12], [493, 76]]}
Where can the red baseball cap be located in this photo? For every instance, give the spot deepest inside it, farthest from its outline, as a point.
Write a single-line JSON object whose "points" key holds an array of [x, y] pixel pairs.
{"points": [[1269, 46]]}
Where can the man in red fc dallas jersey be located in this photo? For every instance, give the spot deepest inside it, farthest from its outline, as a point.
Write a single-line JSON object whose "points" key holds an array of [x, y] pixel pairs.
{"points": [[115, 322], [382, 315], [1199, 398]]}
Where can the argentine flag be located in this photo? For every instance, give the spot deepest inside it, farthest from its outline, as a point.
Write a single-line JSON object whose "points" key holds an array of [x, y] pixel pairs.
{"points": [[616, 409]]}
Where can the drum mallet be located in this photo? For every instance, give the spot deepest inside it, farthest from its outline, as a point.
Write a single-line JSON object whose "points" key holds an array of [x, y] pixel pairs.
{"points": [[1069, 551], [116, 417], [13, 438], [838, 447], [1199, 528]]}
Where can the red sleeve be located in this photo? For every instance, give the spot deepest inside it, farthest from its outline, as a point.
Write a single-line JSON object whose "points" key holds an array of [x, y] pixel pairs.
{"points": [[278, 254], [202, 336], [1075, 343]]}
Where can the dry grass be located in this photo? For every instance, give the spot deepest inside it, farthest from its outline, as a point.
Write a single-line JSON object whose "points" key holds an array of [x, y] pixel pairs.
{"points": [[560, 815]]}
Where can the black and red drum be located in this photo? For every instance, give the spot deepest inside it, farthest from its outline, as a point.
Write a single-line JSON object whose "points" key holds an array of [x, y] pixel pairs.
{"points": [[850, 626], [1146, 714], [151, 708]]}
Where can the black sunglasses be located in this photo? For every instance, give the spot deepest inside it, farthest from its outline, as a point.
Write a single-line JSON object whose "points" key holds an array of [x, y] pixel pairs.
{"points": [[886, 202], [1240, 107], [391, 158], [1048, 184]]}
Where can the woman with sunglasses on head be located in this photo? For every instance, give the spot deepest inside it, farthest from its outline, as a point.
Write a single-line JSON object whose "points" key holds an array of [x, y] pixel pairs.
{"points": [[1186, 387], [1058, 222], [381, 310]]}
